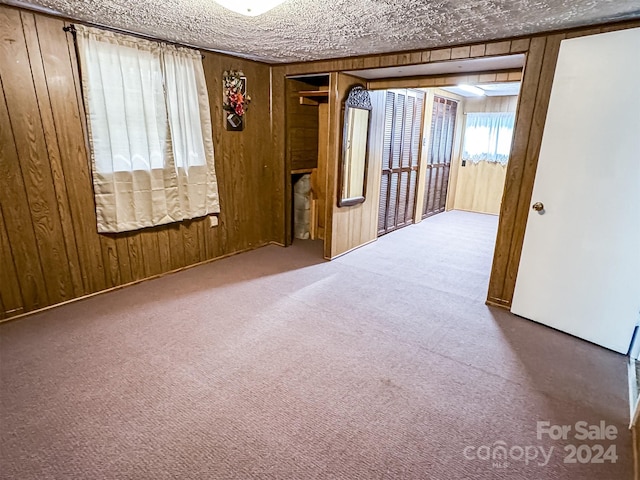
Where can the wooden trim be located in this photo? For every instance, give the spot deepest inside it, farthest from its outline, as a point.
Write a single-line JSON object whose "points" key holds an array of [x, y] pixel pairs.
{"points": [[503, 46], [351, 249], [313, 93], [332, 155], [515, 169], [308, 102], [282, 165], [452, 188], [530, 119], [447, 80], [496, 302], [134, 282]]}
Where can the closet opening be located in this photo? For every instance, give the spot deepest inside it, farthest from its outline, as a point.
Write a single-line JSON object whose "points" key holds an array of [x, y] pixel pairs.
{"points": [[307, 129]]}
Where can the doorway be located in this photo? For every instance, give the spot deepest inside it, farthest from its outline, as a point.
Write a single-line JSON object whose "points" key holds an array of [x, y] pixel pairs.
{"points": [[307, 128], [453, 158]]}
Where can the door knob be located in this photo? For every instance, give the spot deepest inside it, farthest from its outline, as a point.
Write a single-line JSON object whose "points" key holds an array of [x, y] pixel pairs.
{"points": [[538, 206]]}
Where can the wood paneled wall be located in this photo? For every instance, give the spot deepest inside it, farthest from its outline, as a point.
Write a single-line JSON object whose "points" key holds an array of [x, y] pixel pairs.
{"points": [[436, 81], [480, 185], [491, 104], [541, 55], [320, 174], [302, 128], [489, 49], [356, 225], [50, 251]]}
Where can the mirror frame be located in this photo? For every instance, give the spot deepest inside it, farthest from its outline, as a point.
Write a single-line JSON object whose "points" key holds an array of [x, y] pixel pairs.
{"points": [[358, 97]]}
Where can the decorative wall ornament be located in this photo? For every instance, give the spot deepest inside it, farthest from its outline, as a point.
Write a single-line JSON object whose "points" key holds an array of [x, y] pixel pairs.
{"points": [[359, 98], [235, 99]]}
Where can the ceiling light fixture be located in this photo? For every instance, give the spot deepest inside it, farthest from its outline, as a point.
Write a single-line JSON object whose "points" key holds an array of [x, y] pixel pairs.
{"points": [[471, 89], [251, 8]]}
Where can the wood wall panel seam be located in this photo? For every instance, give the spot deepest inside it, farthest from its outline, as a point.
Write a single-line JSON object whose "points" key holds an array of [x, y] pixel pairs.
{"points": [[15, 194], [23, 106], [69, 120], [50, 131], [9, 285]]}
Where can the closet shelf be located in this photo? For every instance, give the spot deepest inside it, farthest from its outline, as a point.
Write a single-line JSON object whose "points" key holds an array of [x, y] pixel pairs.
{"points": [[313, 97]]}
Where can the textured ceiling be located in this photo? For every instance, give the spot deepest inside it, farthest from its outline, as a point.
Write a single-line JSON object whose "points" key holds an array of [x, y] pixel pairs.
{"points": [[301, 30]]}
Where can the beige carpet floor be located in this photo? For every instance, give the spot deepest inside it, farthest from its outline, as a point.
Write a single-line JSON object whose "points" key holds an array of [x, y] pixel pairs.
{"points": [[274, 364]]}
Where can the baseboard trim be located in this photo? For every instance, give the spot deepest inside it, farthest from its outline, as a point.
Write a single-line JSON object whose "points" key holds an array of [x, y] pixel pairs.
{"points": [[350, 250], [498, 302], [634, 395], [135, 282], [635, 439]]}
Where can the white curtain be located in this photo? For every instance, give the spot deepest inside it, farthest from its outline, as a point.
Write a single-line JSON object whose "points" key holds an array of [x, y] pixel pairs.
{"points": [[487, 137], [149, 131]]}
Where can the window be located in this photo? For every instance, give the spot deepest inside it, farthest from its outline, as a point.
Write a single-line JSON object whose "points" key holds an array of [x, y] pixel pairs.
{"points": [[487, 137], [149, 131]]}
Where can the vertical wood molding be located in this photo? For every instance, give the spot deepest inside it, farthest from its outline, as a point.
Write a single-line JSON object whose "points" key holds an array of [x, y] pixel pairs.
{"points": [[427, 118], [543, 94], [530, 120], [374, 167], [457, 147], [280, 166], [515, 171], [332, 158]]}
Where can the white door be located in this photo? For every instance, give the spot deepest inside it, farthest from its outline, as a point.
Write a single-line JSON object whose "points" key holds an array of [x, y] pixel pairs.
{"points": [[580, 265]]}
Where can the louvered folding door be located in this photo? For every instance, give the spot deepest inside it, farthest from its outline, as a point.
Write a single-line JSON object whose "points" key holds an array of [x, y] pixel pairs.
{"points": [[401, 153], [440, 150]]}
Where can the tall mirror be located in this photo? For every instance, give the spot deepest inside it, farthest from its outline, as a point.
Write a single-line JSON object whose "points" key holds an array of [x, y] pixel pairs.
{"points": [[355, 136]]}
